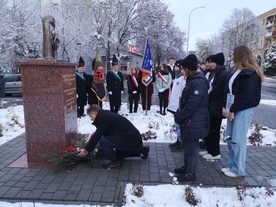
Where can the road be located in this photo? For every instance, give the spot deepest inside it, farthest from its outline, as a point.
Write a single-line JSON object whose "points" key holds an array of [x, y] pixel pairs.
{"points": [[266, 114], [263, 114]]}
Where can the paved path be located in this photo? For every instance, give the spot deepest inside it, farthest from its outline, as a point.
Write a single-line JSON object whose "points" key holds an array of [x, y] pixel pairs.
{"points": [[86, 185], [89, 185]]}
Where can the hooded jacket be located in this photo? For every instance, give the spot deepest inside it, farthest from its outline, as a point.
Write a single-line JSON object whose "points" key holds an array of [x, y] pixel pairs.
{"points": [[216, 95], [247, 90]]}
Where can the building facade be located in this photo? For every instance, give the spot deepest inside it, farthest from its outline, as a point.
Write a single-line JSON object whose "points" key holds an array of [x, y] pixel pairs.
{"points": [[268, 23]]}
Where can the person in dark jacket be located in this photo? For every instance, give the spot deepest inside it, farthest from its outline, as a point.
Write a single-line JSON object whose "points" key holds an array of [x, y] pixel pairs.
{"points": [[171, 70], [133, 89], [218, 77], [243, 93], [192, 116], [81, 88], [114, 132], [206, 72], [92, 97], [115, 86], [146, 91]]}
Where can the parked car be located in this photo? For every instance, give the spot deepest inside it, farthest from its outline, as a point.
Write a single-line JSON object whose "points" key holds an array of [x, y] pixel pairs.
{"points": [[13, 83]]}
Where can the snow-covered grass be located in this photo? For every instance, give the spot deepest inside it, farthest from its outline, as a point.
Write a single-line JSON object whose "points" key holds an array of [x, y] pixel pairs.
{"points": [[12, 125]]}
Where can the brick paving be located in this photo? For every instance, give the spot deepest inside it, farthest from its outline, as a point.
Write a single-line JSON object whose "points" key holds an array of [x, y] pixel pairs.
{"points": [[87, 185]]}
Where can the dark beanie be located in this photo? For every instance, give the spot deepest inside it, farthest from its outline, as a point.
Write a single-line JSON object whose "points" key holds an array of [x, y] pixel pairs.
{"points": [[178, 63], [81, 62], [218, 58], [208, 59], [190, 62]]}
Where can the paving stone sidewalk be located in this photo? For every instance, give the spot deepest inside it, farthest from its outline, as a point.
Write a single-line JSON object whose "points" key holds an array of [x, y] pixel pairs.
{"points": [[86, 185]]}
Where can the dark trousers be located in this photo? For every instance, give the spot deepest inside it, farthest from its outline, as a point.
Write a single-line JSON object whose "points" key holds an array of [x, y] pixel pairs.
{"points": [[80, 110], [120, 152], [163, 100], [133, 99], [191, 150], [213, 138], [114, 109], [143, 97]]}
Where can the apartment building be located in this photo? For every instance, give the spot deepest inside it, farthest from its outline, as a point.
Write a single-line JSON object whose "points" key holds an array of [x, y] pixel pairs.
{"points": [[268, 22]]}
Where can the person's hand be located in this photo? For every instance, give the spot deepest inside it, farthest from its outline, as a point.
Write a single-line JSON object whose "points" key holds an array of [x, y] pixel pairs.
{"points": [[224, 112], [161, 90], [134, 92], [122, 92], [110, 92], [82, 152], [231, 116]]}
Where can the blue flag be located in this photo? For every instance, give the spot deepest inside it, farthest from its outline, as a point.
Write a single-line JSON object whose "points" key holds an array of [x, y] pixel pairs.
{"points": [[146, 66]]}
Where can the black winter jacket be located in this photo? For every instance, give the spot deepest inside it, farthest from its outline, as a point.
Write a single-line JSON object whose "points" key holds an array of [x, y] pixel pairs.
{"points": [[247, 90], [216, 96], [117, 129], [193, 115], [131, 86], [116, 85]]}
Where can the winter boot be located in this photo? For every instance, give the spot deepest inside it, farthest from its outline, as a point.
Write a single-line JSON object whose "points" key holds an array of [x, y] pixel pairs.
{"points": [[187, 177], [177, 143]]}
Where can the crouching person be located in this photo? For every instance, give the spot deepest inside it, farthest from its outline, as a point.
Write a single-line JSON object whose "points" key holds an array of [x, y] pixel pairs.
{"points": [[117, 136]]}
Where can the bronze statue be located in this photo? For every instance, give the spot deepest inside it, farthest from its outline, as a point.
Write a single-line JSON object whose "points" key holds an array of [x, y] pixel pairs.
{"points": [[50, 38]]}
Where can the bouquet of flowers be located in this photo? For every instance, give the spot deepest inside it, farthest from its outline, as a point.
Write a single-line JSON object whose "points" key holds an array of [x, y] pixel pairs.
{"points": [[69, 157]]}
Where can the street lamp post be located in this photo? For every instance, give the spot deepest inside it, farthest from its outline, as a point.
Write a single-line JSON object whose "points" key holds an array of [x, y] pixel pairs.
{"points": [[200, 7]]}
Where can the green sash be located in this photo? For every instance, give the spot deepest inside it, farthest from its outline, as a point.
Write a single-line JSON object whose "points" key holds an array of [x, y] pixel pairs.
{"points": [[115, 74], [80, 75]]}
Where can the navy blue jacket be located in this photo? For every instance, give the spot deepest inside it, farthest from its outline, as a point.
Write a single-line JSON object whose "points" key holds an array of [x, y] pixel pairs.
{"points": [[193, 113], [247, 90]]}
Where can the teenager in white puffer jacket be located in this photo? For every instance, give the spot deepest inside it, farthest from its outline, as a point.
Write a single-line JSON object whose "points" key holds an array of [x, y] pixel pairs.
{"points": [[177, 88]]}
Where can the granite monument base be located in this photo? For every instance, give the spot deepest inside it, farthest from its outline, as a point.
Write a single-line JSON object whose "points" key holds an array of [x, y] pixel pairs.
{"points": [[49, 99]]}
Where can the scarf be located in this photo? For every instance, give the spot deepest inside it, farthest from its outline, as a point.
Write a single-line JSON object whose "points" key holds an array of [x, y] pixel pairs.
{"points": [[178, 73]]}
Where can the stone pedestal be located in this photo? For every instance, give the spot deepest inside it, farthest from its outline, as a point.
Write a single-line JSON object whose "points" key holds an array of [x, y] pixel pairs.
{"points": [[50, 109]]}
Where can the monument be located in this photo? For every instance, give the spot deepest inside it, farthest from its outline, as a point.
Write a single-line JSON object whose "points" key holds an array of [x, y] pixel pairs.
{"points": [[49, 98]]}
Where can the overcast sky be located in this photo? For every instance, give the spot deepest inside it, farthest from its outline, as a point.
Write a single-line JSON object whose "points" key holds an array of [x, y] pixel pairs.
{"points": [[207, 21]]}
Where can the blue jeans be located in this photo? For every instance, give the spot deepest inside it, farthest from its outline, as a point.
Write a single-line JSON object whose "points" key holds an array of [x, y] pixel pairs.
{"points": [[237, 131], [178, 134]]}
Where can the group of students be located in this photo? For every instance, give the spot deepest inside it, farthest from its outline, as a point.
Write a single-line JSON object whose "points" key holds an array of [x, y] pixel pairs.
{"points": [[199, 100], [209, 96]]}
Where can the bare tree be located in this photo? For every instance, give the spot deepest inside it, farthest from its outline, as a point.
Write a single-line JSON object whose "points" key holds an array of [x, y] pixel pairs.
{"points": [[84, 25], [204, 48], [241, 27]]}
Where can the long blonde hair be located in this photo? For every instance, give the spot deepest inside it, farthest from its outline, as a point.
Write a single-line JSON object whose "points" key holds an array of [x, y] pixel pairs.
{"points": [[243, 58]]}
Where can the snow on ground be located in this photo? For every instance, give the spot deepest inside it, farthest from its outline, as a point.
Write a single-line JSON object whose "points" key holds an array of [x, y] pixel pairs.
{"points": [[12, 125]]}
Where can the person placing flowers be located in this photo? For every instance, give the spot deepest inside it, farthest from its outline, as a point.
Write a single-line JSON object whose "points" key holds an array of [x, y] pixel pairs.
{"points": [[117, 136]]}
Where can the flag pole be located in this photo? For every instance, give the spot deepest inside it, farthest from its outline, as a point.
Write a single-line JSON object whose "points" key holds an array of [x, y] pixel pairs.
{"points": [[146, 100]]}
